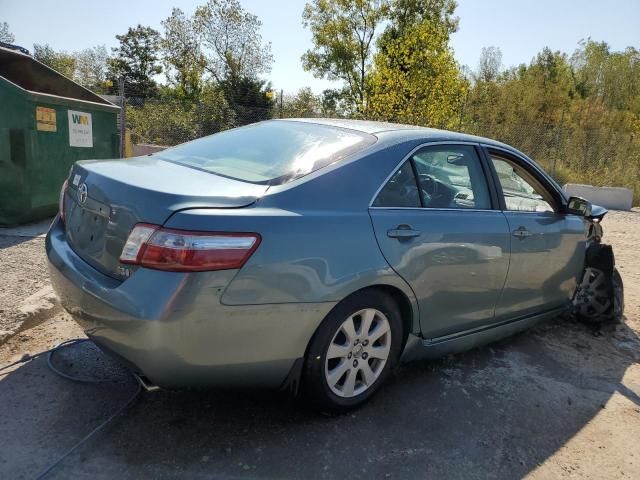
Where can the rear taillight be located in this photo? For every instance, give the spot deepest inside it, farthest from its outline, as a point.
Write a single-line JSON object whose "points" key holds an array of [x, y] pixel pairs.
{"points": [[184, 251], [63, 191]]}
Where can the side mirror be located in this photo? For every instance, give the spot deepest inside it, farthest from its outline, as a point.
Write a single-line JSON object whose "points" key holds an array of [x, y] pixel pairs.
{"points": [[579, 206]]}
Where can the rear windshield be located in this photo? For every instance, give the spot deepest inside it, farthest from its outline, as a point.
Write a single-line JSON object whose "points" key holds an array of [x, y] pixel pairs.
{"points": [[273, 152]]}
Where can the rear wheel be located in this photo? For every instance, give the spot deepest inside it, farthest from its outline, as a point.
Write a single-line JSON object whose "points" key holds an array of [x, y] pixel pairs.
{"points": [[353, 351]]}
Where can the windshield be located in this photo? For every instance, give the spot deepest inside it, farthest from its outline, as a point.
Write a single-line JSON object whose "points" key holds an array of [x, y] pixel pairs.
{"points": [[272, 152]]}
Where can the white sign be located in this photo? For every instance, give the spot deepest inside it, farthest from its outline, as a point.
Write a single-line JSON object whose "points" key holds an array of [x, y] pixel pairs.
{"points": [[80, 131]]}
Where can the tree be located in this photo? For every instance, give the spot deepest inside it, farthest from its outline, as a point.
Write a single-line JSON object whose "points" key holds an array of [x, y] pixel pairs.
{"points": [[232, 41], [613, 77], [343, 32], [212, 111], [489, 65], [405, 14], [303, 104], [165, 122], [417, 80], [6, 35], [136, 59], [61, 62], [91, 68], [333, 103], [249, 98], [182, 55]]}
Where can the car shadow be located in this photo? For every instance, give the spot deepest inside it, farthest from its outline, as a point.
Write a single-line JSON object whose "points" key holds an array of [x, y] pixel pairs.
{"points": [[494, 412]]}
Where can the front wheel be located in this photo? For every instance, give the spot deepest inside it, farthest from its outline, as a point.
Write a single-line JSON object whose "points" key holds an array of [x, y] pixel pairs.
{"points": [[353, 351], [599, 296]]}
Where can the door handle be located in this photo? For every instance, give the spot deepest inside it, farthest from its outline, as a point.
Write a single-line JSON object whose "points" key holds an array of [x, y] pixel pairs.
{"points": [[521, 233], [403, 231]]}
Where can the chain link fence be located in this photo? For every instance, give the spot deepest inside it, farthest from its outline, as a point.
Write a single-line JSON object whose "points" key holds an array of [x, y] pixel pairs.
{"points": [[599, 156]]}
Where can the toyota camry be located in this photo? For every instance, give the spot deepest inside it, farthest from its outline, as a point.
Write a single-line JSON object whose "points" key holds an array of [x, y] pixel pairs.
{"points": [[312, 255]]}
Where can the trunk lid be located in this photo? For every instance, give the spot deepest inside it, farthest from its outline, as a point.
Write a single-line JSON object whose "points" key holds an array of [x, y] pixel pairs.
{"points": [[106, 198]]}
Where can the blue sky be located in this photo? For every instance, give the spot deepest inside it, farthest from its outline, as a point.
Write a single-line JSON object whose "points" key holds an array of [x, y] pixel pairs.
{"points": [[520, 28]]}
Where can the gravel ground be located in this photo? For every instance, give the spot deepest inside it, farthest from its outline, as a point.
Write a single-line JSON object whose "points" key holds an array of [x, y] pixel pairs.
{"points": [[558, 401], [23, 271]]}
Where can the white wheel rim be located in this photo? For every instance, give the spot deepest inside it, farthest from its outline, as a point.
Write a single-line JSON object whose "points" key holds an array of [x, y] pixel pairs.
{"points": [[358, 353]]}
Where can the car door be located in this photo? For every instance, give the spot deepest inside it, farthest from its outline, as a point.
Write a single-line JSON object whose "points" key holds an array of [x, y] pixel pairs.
{"points": [[435, 222], [547, 245]]}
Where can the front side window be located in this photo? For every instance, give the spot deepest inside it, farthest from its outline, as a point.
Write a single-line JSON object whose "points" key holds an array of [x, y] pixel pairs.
{"points": [[522, 193]]}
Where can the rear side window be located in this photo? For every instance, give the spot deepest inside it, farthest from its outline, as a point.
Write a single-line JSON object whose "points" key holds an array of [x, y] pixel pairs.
{"points": [[272, 152], [400, 191]]}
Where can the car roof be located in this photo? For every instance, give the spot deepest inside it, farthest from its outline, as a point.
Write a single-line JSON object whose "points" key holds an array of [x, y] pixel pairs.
{"points": [[399, 131]]}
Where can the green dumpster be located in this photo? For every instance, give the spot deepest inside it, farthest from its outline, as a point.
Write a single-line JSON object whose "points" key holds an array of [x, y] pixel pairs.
{"points": [[47, 122]]}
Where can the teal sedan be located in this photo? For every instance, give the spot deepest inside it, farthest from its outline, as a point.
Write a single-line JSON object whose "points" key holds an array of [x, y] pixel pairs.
{"points": [[312, 255]]}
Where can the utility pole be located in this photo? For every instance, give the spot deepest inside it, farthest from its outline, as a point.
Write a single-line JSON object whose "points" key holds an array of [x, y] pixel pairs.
{"points": [[123, 117], [281, 106]]}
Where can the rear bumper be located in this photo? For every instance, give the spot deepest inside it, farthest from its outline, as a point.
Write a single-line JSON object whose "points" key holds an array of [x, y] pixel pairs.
{"points": [[172, 328]]}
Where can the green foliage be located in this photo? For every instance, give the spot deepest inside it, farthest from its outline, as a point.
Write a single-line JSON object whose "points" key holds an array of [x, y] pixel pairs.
{"points": [[170, 119], [213, 112], [577, 116], [416, 79], [334, 103], [343, 33], [91, 69], [303, 104], [405, 14], [61, 62], [212, 61], [249, 99], [613, 77], [87, 67], [136, 59], [165, 122], [182, 56]]}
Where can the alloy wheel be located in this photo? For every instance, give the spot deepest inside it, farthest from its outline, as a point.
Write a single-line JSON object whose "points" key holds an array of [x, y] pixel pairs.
{"points": [[358, 353]]}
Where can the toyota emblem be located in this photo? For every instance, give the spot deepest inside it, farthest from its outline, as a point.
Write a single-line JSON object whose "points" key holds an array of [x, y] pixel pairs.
{"points": [[82, 193]]}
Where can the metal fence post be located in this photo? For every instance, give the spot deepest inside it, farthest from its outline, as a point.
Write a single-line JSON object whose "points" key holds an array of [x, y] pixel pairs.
{"points": [[123, 116]]}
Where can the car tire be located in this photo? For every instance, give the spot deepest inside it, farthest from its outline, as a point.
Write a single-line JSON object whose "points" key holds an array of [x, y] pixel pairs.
{"points": [[600, 296], [618, 296], [346, 362]]}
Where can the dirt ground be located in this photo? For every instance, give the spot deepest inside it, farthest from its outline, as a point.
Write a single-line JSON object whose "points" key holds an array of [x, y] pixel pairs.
{"points": [[23, 271], [558, 401]]}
